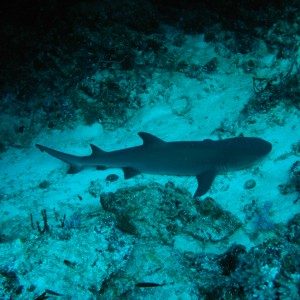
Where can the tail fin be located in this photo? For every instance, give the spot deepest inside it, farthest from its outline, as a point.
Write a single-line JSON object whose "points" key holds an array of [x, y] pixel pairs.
{"points": [[72, 160]]}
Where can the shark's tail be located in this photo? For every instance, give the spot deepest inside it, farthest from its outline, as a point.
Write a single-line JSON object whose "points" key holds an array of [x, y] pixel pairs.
{"points": [[72, 160]]}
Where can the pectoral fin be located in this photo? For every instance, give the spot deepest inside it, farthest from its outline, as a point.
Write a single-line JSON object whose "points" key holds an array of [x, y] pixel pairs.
{"points": [[205, 181]]}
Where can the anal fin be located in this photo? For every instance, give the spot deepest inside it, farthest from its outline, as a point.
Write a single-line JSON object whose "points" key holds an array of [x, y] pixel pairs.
{"points": [[73, 169], [205, 180], [130, 172]]}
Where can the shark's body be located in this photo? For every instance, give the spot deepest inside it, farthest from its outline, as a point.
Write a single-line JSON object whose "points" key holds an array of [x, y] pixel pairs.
{"points": [[203, 159]]}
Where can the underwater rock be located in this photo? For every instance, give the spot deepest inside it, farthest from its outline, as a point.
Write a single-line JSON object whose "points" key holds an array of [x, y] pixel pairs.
{"points": [[151, 273], [161, 212], [270, 271], [214, 223], [10, 282], [249, 184], [44, 184], [228, 261], [152, 209], [293, 185], [112, 178], [293, 232], [95, 188]]}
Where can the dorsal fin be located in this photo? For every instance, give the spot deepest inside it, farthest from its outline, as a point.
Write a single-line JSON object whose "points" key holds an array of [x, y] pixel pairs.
{"points": [[96, 151], [149, 139]]}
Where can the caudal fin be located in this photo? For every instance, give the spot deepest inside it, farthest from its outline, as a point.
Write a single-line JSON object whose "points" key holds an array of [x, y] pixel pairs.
{"points": [[72, 160]]}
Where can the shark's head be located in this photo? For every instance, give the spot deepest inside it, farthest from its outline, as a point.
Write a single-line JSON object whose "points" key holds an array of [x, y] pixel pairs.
{"points": [[242, 152]]}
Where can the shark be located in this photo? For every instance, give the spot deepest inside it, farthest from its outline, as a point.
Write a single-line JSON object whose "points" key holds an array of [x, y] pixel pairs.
{"points": [[202, 159]]}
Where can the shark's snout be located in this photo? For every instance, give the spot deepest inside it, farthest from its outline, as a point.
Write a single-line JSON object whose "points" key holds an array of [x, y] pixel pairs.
{"points": [[264, 147]]}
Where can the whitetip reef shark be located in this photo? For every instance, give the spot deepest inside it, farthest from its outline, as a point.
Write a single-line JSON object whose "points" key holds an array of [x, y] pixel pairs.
{"points": [[203, 159]]}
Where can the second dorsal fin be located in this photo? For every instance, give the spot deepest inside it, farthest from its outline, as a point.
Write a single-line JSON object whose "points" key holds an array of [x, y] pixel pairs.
{"points": [[149, 139]]}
